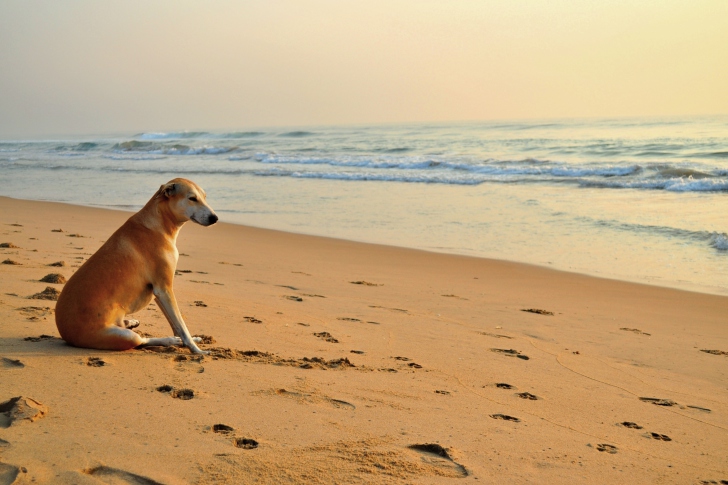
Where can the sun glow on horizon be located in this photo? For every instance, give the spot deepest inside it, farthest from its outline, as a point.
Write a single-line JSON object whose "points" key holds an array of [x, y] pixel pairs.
{"points": [[84, 66]]}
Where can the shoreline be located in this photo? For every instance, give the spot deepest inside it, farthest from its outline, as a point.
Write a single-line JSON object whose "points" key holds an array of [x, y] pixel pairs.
{"points": [[691, 288], [341, 362]]}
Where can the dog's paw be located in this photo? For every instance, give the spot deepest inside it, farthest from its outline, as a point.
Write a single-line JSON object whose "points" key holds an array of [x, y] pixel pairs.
{"points": [[131, 323]]}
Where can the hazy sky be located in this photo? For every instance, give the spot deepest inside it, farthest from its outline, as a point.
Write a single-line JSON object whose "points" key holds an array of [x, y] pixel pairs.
{"points": [[96, 66]]}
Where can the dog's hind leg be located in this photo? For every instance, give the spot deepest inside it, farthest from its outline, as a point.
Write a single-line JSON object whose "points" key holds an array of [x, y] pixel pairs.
{"points": [[115, 338]]}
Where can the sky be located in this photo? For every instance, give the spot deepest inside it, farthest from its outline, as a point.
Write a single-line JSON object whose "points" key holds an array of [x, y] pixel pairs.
{"points": [[91, 67]]}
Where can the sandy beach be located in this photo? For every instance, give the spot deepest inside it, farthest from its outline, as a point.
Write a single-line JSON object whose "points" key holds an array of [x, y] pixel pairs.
{"points": [[340, 362]]}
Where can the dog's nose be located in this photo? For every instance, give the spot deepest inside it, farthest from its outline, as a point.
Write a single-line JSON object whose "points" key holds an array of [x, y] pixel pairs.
{"points": [[212, 219]]}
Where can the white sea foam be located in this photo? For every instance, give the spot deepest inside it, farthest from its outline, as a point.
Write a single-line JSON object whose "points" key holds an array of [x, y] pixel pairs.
{"points": [[719, 241], [171, 135], [135, 157]]}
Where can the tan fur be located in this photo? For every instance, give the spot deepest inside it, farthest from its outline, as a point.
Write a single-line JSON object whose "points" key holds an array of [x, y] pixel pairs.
{"points": [[137, 263]]}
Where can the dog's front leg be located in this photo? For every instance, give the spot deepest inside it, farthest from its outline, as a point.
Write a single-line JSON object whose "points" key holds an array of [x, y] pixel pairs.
{"points": [[168, 303]]}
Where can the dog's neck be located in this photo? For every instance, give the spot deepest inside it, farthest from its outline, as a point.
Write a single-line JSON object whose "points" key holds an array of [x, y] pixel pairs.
{"points": [[157, 216]]}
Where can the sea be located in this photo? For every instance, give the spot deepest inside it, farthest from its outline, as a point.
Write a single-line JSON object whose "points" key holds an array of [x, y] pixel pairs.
{"points": [[642, 200]]}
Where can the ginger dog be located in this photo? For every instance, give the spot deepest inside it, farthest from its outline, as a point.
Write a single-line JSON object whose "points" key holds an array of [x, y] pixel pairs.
{"points": [[137, 263]]}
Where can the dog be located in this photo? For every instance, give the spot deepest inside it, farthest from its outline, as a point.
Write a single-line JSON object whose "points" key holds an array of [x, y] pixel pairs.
{"points": [[137, 263]]}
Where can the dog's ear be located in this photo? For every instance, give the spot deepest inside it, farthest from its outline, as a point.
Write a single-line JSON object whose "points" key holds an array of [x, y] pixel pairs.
{"points": [[169, 189]]}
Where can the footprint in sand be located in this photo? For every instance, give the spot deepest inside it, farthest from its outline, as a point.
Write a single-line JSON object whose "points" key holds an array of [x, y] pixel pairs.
{"points": [[8, 474], [537, 311], [10, 261], [511, 353], [714, 352], [183, 394], [698, 408], [245, 443], [288, 287], [527, 395], [311, 398], [438, 451], [658, 401], [326, 336], [505, 417], [39, 338], [364, 283], [630, 424], [188, 363], [494, 335], [360, 352], [95, 362], [407, 359], [454, 296], [255, 320], [222, 428], [389, 308], [20, 409], [6, 363], [34, 313], [444, 393], [658, 436], [503, 385], [635, 330], [292, 297], [57, 264], [611, 449], [114, 475]]}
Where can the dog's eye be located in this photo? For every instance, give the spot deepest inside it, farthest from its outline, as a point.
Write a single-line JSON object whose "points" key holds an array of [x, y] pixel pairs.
{"points": [[193, 199]]}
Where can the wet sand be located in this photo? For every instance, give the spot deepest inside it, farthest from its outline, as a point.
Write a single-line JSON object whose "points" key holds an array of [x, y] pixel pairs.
{"points": [[341, 362]]}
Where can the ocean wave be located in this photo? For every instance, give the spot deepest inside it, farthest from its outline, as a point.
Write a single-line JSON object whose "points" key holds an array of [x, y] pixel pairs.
{"points": [[718, 154], [135, 157], [679, 172], [175, 149], [498, 167], [671, 185], [369, 177], [78, 147], [242, 134], [172, 135], [297, 134], [713, 239]]}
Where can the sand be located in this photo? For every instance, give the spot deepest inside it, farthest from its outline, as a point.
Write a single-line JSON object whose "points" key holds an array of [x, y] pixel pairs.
{"points": [[340, 362]]}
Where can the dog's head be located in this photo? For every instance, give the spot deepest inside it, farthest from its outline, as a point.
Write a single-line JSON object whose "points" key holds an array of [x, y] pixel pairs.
{"points": [[187, 201]]}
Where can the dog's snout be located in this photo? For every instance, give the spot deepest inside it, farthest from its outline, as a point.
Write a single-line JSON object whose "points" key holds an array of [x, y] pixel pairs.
{"points": [[212, 219]]}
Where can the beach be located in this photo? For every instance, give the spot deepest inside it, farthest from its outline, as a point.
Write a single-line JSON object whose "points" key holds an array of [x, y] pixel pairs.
{"points": [[334, 361]]}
